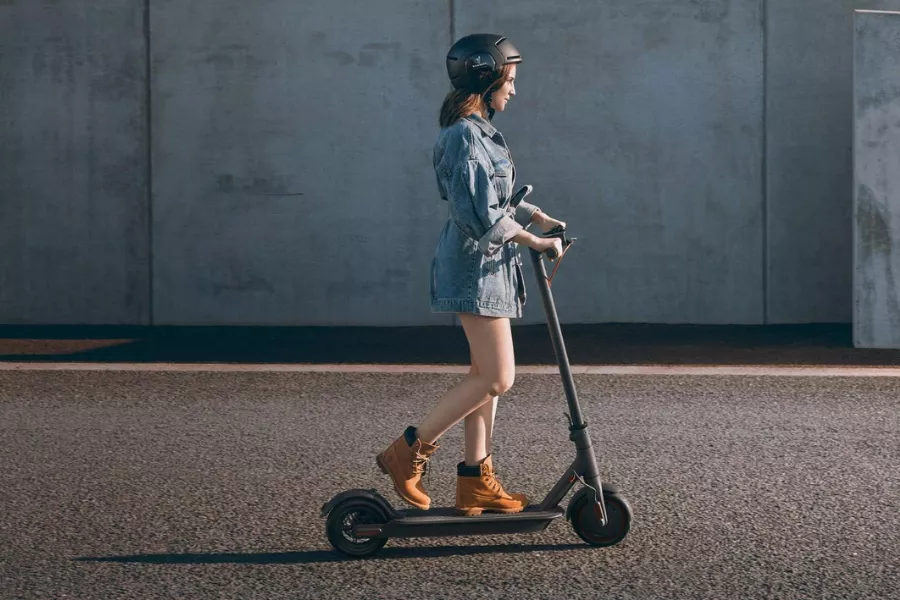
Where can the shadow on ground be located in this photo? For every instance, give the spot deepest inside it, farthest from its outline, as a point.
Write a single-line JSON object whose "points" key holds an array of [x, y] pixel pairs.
{"points": [[611, 344], [326, 556]]}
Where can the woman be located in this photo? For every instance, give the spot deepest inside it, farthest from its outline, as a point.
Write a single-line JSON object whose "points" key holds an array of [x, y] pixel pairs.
{"points": [[476, 273]]}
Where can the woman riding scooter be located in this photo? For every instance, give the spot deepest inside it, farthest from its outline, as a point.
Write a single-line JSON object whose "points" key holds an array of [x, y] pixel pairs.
{"points": [[475, 273]]}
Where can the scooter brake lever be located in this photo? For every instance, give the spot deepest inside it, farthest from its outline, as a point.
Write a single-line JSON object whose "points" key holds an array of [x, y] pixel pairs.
{"points": [[560, 232], [555, 231]]}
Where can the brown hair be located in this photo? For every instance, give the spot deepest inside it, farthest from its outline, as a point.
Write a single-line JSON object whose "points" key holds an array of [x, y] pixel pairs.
{"points": [[460, 103]]}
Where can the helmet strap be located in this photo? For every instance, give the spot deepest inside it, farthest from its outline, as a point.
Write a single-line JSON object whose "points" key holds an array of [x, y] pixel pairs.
{"points": [[488, 98]]}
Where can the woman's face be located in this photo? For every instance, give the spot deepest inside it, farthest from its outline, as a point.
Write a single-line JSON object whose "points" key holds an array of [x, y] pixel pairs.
{"points": [[502, 94]]}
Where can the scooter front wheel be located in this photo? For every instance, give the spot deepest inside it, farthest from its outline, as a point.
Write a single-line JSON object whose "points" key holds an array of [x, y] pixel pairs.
{"points": [[347, 515], [585, 518]]}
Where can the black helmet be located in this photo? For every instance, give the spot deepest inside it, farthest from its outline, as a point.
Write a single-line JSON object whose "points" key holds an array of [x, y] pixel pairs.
{"points": [[475, 61]]}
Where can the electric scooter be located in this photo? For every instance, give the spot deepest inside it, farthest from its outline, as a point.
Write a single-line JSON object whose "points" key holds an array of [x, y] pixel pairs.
{"points": [[360, 521]]}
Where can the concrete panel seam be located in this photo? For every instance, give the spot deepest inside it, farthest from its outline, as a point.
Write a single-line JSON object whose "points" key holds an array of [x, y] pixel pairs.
{"points": [[764, 175], [853, 145], [148, 124]]}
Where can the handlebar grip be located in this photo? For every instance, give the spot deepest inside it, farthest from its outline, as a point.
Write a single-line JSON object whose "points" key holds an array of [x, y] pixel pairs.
{"points": [[520, 195], [551, 253]]}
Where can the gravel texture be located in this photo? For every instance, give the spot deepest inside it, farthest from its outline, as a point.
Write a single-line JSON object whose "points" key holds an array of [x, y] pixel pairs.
{"points": [[209, 485]]}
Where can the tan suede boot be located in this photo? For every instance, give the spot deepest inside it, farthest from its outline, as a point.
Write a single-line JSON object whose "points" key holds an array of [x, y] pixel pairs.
{"points": [[405, 461], [477, 491]]}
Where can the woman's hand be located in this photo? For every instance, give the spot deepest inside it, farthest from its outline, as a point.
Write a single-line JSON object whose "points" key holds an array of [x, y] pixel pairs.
{"points": [[545, 244], [545, 221], [541, 244]]}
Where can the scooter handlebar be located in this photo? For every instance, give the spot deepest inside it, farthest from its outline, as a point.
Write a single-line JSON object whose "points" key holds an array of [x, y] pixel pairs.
{"points": [[557, 232]]}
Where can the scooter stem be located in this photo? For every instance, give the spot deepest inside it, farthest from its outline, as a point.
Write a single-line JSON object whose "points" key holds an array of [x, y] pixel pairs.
{"points": [[559, 347], [585, 465]]}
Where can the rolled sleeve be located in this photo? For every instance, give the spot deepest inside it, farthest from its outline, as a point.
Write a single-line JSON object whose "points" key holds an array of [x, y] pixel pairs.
{"points": [[478, 211], [501, 232], [524, 213]]}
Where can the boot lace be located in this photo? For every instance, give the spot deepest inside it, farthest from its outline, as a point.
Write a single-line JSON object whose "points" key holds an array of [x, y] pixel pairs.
{"points": [[420, 465], [419, 462], [494, 485]]}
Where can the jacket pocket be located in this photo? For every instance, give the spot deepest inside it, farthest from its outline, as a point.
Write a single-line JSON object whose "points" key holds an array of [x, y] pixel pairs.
{"points": [[502, 168], [503, 181]]}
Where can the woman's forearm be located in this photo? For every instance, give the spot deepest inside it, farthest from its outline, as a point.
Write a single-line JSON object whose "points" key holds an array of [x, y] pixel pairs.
{"points": [[527, 238]]}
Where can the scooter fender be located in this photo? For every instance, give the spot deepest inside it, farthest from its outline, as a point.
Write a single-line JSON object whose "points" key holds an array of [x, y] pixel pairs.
{"points": [[608, 490], [371, 495]]}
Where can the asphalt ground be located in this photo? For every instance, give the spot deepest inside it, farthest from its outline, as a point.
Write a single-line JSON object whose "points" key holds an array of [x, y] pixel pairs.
{"points": [[156, 484]]}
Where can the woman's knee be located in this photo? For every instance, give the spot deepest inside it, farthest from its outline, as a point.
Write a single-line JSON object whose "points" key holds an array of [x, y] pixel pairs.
{"points": [[502, 382], [498, 383], [490, 340]]}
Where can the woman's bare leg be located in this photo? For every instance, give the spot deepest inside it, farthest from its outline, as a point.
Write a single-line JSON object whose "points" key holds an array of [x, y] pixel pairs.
{"points": [[479, 426], [490, 342]]}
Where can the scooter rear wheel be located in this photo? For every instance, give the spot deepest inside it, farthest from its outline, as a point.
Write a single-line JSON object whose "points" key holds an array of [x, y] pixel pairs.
{"points": [[585, 518], [344, 517]]}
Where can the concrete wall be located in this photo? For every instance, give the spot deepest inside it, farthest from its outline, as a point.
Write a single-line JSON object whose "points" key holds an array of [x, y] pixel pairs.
{"points": [[292, 161], [877, 180], [808, 160], [809, 125], [700, 149], [73, 169], [640, 123]]}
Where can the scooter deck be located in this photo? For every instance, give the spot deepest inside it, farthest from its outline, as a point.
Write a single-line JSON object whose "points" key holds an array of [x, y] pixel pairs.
{"points": [[444, 521]]}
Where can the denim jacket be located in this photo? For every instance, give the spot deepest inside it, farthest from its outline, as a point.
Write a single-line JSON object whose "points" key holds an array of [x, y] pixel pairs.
{"points": [[476, 266]]}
